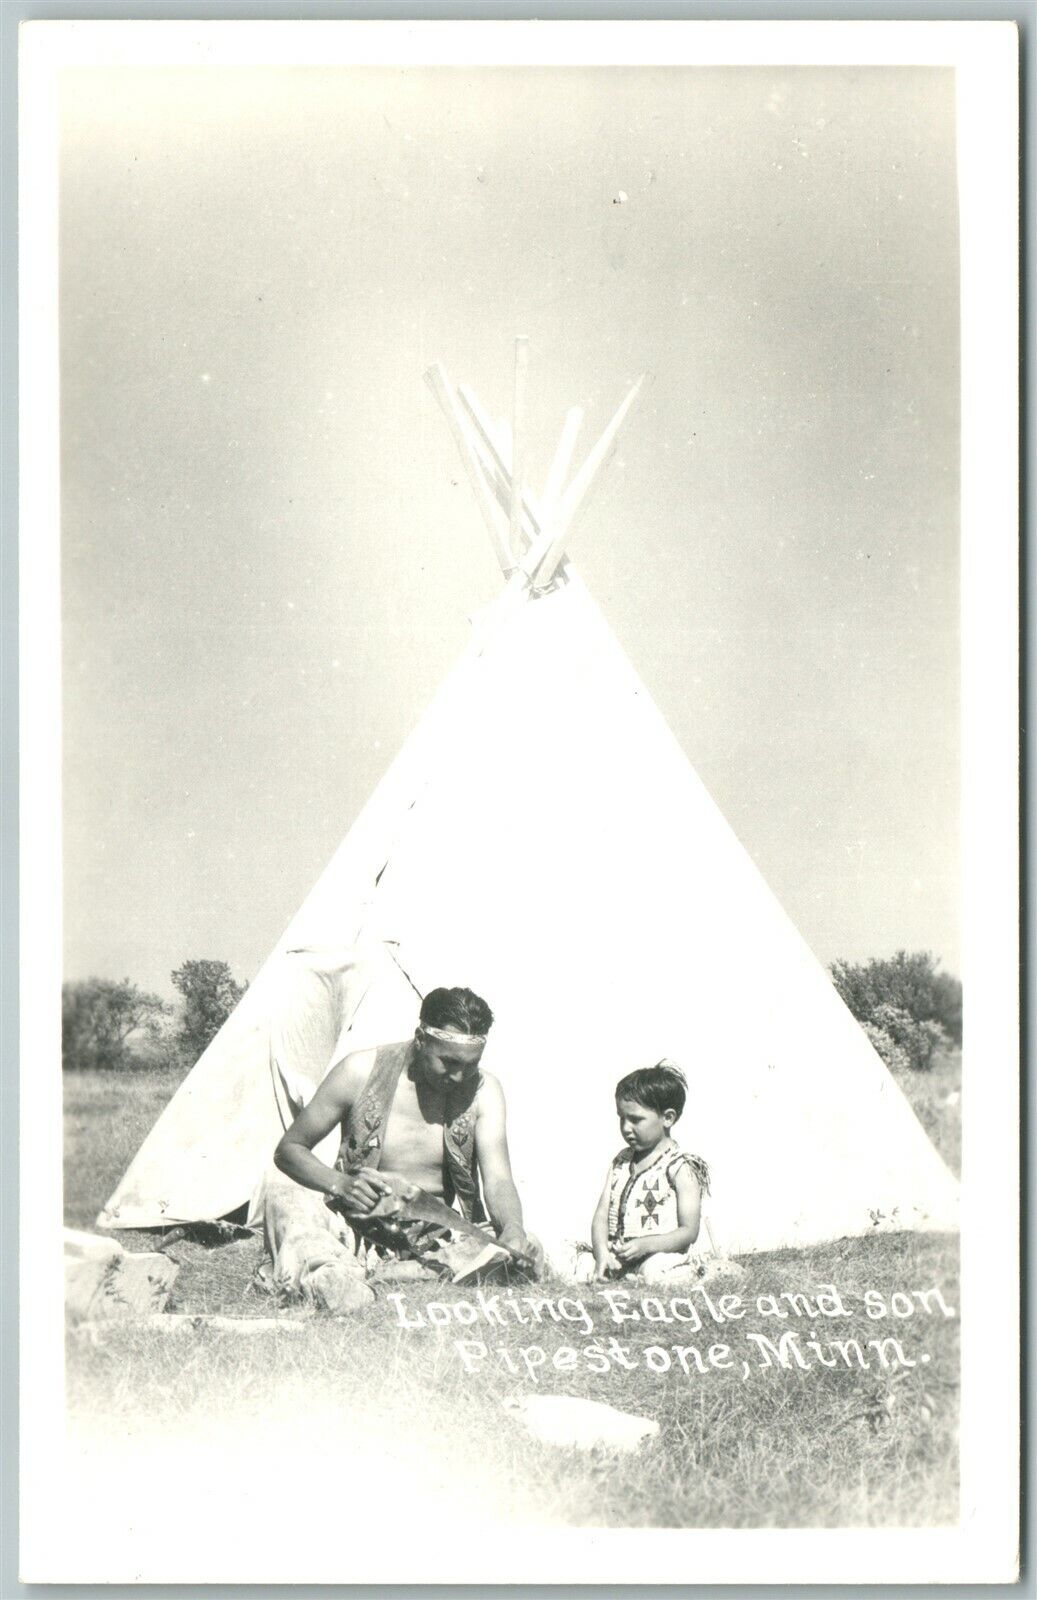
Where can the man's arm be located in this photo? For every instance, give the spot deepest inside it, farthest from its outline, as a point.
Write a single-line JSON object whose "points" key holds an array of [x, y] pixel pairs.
{"points": [[329, 1106], [491, 1149]]}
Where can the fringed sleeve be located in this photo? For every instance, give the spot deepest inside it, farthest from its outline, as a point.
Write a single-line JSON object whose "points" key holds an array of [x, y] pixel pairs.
{"points": [[697, 1165], [701, 1171]]}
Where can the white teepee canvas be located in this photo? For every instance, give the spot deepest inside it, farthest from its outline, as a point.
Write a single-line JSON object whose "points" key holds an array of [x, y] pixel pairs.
{"points": [[542, 839]]}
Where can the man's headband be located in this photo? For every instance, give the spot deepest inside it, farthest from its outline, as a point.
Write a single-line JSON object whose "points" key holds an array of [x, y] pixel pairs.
{"points": [[451, 1035]]}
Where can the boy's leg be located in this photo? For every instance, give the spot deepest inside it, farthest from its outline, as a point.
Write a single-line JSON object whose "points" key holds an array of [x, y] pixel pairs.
{"points": [[654, 1268]]}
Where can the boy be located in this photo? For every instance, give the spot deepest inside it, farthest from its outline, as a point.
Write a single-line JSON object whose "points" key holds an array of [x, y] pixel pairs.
{"points": [[647, 1218]]}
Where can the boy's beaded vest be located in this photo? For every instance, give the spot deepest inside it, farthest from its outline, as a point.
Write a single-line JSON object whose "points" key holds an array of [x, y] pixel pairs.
{"points": [[363, 1131]]}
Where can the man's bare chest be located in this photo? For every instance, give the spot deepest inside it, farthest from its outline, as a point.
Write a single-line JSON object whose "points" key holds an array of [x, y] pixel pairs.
{"points": [[413, 1137]]}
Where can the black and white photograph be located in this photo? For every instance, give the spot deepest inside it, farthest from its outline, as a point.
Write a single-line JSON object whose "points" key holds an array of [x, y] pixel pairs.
{"points": [[508, 654]]}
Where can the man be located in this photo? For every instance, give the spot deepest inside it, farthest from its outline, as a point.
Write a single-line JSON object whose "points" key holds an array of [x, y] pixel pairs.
{"points": [[421, 1112]]}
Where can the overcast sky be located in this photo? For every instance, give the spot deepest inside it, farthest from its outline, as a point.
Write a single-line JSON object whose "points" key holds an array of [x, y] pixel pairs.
{"points": [[270, 549]]}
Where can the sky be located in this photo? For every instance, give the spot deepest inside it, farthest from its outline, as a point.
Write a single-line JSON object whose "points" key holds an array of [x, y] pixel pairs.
{"points": [[270, 550]]}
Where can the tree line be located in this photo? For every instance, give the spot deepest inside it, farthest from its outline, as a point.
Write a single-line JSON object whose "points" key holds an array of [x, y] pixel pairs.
{"points": [[909, 1009], [108, 1024]]}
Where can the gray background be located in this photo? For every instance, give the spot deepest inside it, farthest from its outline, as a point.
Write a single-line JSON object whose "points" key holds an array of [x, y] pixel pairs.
{"points": [[270, 547]]}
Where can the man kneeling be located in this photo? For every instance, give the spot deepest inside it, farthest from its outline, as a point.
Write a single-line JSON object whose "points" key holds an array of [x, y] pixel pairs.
{"points": [[418, 1114]]}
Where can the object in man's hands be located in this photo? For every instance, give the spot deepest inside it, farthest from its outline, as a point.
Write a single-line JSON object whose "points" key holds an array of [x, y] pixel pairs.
{"points": [[468, 1263], [415, 1223]]}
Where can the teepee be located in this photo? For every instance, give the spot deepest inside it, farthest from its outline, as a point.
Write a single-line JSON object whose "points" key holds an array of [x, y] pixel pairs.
{"points": [[542, 839]]}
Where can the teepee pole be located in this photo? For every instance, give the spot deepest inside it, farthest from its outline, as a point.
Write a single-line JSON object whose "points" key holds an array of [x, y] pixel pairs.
{"points": [[518, 444], [542, 528], [575, 497], [499, 481], [498, 453], [547, 541], [553, 487], [437, 381], [578, 490], [534, 527], [562, 457]]}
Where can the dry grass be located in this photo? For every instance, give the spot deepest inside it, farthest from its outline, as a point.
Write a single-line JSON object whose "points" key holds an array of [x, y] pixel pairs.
{"points": [[935, 1097], [756, 1446], [107, 1115]]}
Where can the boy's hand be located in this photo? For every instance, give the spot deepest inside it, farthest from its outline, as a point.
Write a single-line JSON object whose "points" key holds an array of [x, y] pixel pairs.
{"points": [[627, 1250]]}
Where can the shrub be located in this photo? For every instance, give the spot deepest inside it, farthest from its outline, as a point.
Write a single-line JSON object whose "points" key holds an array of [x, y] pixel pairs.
{"points": [[907, 1008], [210, 994], [99, 1018], [901, 1041]]}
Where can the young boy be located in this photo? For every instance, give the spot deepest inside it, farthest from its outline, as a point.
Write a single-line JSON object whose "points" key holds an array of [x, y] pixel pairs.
{"points": [[648, 1216]]}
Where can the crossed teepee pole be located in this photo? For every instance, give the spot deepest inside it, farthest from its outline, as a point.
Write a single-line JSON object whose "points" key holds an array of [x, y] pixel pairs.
{"points": [[528, 533]]}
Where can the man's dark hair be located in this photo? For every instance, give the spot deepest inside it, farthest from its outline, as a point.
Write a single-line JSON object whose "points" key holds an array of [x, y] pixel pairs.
{"points": [[660, 1088], [456, 1008]]}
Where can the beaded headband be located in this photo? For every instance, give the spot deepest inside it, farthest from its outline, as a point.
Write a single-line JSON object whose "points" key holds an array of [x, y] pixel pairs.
{"points": [[451, 1035]]}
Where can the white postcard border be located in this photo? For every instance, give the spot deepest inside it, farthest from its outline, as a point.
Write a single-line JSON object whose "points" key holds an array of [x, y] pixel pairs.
{"points": [[983, 55]]}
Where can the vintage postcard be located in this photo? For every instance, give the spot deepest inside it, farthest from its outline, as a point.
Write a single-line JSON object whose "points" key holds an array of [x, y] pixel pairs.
{"points": [[519, 728]]}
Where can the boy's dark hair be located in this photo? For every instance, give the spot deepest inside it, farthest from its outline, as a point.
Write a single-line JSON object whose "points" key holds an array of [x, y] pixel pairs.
{"points": [[660, 1088], [456, 1008]]}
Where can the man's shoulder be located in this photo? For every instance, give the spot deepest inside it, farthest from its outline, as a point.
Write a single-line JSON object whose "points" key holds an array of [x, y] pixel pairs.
{"points": [[358, 1060], [352, 1072], [490, 1091], [355, 1068]]}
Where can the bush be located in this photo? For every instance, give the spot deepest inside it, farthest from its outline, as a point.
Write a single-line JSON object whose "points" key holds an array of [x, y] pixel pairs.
{"points": [[210, 994], [901, 1041], [99, 1018], [946, 1002], [907, 1008]]}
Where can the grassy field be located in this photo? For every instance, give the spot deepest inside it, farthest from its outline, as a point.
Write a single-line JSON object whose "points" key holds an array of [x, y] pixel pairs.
{"points": [[749, 1442], [107, 1115]]}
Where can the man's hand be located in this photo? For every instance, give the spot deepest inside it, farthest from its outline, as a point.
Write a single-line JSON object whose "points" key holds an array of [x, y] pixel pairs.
{"points": [[522, 1249], [358, 1193]]}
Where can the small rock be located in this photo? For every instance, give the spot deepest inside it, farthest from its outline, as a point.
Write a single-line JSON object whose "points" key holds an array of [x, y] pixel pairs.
{"points": [[571, 1423]]}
